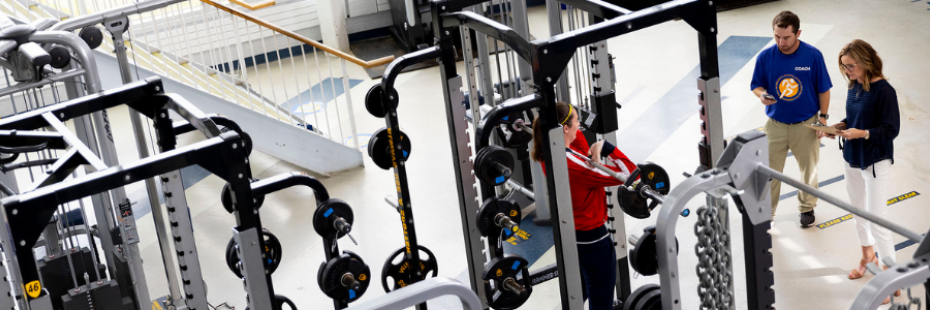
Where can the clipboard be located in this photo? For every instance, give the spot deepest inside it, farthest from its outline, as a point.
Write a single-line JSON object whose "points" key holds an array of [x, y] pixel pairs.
{"points": [[826, 129]]}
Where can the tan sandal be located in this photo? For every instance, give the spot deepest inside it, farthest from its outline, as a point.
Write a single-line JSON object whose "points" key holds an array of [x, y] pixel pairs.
{"points": [[860, 272]]}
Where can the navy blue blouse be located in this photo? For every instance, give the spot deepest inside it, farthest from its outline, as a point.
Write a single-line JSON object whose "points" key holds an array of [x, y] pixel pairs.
{"points": [[875, 110]]}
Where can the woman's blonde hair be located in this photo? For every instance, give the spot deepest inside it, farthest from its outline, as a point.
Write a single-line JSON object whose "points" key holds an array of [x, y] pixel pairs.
{"points": [[865, 57]]}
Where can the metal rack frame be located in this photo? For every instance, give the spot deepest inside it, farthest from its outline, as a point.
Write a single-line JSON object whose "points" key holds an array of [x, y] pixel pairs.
{"points": [[222, 154], [548, 58]]}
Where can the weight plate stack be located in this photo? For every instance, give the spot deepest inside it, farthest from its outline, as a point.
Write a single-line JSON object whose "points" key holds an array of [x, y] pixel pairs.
{"points": [[379, 148], [655, 176], [375, 101], [398, 272], [490, 209], [498, 270], [345, 277], [272, 253], [486, 164], [327, 213]]}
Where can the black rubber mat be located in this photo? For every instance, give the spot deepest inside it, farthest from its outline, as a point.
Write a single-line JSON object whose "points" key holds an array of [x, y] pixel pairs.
{"points": [[381, 47]]}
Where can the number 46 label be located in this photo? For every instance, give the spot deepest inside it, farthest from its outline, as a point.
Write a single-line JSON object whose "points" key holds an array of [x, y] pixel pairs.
{"points": [[33, 289]]}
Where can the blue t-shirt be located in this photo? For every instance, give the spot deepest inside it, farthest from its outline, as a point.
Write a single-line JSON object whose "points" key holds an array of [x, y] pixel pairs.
{"points": [[797, 79]]}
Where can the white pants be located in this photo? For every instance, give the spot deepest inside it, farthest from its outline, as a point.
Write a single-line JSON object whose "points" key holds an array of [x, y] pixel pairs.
{"points": [[868, 191]]}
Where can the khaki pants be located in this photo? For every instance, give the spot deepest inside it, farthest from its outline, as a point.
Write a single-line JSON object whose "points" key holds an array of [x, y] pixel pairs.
{"points": [[804, 145]]}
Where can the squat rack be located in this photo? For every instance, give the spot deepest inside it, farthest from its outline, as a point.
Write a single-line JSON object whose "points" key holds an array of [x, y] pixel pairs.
{"points": [[548, 58], [223, 154]]}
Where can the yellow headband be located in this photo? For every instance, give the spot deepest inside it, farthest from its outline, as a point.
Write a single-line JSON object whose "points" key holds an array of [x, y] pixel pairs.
{"points": [[567, 116]]}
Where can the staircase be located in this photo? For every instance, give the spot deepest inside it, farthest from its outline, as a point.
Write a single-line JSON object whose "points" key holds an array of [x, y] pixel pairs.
{"points": [[275, 127]]}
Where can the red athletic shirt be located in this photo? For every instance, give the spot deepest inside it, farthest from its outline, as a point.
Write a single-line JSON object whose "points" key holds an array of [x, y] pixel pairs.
{"points": [[589, 202]]}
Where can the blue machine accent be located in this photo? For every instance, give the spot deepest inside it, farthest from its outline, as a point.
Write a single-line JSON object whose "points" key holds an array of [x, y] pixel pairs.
{"points": [[516, 265], [499, 179], [351, 294], [507, 232], [405, 154], [660, 185], [328, 212]]}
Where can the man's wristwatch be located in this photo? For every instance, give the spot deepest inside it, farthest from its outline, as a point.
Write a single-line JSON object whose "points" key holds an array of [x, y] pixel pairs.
{"points": [[825, 116]]}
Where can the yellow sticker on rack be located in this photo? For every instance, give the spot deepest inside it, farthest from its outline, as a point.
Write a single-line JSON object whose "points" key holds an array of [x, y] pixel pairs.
{"points": [[33, 289]]}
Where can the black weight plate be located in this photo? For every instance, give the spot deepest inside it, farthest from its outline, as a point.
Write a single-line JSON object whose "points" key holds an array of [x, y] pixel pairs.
{"points": [[272, 253], [485, 167], [652, 300], [226, 198], [632, 203], [643, 256], [398, 271], [326, 213], [490, 209], [500, 268], [330, 277], [379, 148], [655, 176], [377, 104], [92, 36], [373, 101], [60, 57], [637, 295]]}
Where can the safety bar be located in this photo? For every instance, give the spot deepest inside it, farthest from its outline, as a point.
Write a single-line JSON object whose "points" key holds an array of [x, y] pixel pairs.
{"points": [[493, 117], [398, 65], [866, 215], [422, 291], [285, 180]]}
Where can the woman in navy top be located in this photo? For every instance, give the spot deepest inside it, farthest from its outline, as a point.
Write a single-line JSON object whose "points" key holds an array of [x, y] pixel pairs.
{"points": [[871, 124]]}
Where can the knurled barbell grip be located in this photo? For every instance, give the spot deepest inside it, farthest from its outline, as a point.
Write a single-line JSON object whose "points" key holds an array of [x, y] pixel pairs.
{"points": [[512, 286], [504, 221], [348, 280]]}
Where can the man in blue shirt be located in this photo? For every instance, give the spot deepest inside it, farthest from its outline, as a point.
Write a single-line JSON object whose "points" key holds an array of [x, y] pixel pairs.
{"points": [[791, 80]]}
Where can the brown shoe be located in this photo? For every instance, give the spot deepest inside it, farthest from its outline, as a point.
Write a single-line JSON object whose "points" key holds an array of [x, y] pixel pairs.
{"points": [[860, 272]]}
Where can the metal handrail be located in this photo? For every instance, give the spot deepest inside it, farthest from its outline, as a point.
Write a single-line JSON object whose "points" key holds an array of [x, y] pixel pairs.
{"points": [[292, 35]]}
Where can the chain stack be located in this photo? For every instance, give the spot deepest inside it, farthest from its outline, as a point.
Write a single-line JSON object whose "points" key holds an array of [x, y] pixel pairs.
{"points": [[713, 267]]}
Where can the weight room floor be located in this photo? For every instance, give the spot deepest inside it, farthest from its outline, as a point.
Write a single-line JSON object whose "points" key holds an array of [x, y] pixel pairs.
{"points": [[810, 264]]}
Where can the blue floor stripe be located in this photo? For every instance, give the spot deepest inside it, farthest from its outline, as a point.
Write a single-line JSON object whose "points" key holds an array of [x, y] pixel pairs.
{"points": [[318, 96], [822, 184], [664, 117], [905, 244]]}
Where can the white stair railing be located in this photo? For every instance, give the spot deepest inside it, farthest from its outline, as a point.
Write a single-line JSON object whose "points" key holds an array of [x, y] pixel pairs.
{"points": [[233, 55]]}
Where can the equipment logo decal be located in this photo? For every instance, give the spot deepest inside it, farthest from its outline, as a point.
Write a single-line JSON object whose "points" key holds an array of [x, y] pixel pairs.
{"points": [[788, 87]]}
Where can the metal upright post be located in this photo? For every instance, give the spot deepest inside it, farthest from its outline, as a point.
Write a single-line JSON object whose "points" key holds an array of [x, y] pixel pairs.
{"points": [[106, 149], [461, 152], [117, 27], [553, 8], [484, 63]]}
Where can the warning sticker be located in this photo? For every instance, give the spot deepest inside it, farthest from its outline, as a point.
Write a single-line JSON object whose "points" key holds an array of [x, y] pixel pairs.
{"points": [[33, 289], [847, 217]]}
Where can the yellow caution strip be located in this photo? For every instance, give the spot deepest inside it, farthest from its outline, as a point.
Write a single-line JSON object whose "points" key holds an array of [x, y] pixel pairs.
{"points": [[847, 217]]}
